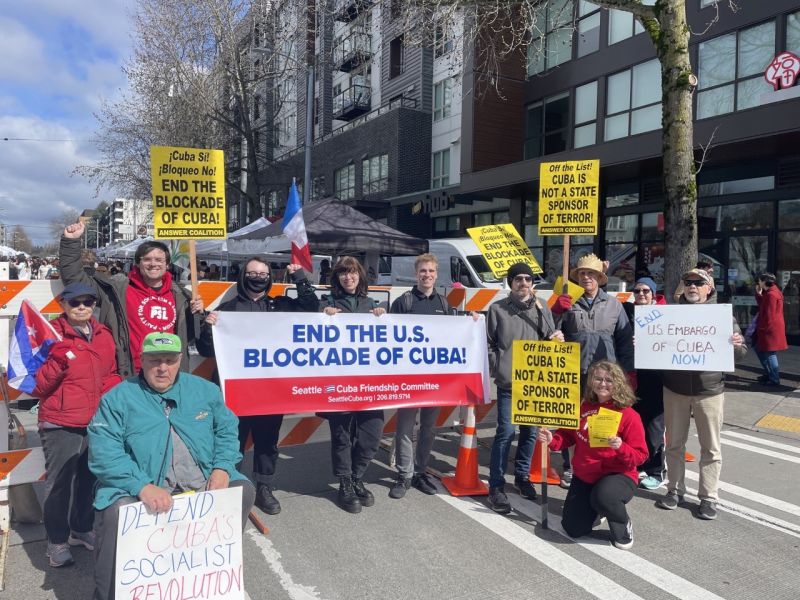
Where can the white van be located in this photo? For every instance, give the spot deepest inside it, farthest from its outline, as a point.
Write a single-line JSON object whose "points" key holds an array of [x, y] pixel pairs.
{"points": [[460, 261]]}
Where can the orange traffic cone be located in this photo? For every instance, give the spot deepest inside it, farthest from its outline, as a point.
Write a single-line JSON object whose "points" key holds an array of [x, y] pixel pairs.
{"points": [[466, 482], [688, 457], [536, 468]]}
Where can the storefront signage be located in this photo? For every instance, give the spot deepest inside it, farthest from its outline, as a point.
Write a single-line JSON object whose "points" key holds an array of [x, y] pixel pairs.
{"points": [[502, 246], [568, 197], [188, 193]]}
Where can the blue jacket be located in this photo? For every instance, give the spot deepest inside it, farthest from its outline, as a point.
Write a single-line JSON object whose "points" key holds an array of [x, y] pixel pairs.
{"points": [[129, 437]]}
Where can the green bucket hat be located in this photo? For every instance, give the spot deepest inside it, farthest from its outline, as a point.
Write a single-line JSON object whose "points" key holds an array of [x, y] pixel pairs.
{"points": [[160, 343]]}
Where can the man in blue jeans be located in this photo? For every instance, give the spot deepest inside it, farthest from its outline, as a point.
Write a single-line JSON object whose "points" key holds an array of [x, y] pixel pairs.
{"points": [[519, 317]]}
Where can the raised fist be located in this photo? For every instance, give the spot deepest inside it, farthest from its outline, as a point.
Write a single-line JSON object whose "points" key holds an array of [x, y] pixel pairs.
{"points": [[74, 231]]}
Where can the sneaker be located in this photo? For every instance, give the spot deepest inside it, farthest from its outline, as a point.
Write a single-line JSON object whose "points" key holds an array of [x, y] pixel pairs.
{"points": [[566, 479], [670, 500], [625, 542], [708, 510], [650, 482], [642, 475], [424, 483], [364, 495], [400, 487], [347, 498], [525, 488], [59, 555], [266, 501], [498, 501], [87, 540]]}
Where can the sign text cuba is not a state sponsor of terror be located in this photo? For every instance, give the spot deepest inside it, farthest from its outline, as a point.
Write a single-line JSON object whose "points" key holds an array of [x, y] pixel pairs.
{"points": [[275, 363]]}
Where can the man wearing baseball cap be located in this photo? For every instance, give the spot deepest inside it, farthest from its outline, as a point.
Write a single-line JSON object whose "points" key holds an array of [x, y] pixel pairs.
{"points": [[702, 394], [138, 454]]}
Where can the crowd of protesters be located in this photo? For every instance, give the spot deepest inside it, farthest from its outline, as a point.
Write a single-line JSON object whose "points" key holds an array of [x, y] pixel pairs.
{"points": [[125, 339]]}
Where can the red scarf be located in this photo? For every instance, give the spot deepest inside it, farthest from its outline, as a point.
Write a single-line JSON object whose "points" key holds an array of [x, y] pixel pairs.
{"points": [[148, 310]]}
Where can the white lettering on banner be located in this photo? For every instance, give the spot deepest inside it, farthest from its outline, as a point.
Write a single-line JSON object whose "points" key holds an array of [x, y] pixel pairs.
{"points": [[314, 362], [684, 337]]}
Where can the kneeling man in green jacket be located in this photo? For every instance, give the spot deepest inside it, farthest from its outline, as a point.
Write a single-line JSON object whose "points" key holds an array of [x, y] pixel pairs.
{"points": [[155, 435]]}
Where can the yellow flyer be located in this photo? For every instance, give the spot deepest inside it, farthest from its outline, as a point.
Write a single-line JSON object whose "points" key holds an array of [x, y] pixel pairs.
{"points": [[602, 426], [574, 291]]}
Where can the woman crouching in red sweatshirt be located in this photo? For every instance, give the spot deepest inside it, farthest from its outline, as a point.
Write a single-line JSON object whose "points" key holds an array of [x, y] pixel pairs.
{"points": [[605, 478]]}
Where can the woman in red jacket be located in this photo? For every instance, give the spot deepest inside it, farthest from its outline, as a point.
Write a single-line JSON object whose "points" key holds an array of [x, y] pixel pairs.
{"points": [[78, 370], [770, 328], [604, 478]]}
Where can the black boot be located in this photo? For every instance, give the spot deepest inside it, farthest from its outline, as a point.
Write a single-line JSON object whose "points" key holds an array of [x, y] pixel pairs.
{"points": [[364, 495], [348, 500], [266, 501]]}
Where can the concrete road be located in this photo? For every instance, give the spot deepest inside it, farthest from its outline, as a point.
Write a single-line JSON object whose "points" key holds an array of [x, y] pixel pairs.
{"points": [[456, 548]]}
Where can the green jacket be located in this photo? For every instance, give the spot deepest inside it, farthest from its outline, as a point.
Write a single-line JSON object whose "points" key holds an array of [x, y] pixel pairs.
{"points": [[129, 437], [111, 308]]}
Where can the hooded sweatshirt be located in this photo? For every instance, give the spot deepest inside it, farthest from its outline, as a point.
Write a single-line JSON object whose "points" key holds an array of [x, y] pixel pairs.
{"points": [[148, 309]]}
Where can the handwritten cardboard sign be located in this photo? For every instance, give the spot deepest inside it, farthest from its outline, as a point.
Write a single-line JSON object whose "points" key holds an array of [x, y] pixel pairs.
{"points": [[545, 383], [194, 550], [684, 337]]}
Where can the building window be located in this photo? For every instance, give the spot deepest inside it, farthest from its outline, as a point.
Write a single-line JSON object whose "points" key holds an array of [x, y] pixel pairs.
{"points": [[375, 174], [585, 115], [441, 169], [447, 224], [442, 99], [704, 3], [345, 182], [588, 28], [793, 33], [551, 37], [621, 26], [396, 52], [547, 126], [317, 188], [731, 69], [442, 41], [633, 101], [283, 131]]}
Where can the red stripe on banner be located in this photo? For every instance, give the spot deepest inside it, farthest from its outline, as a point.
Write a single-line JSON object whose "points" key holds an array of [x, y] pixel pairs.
{"points": [[343, 393]]}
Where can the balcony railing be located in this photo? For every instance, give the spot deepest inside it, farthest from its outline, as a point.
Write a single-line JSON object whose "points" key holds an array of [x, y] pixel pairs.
{"points": [[352, 51], [347, 10], [352, 102]]}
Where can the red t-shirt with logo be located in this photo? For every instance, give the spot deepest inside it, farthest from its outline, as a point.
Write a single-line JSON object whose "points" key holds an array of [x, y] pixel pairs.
{"points": [[149, 309]]}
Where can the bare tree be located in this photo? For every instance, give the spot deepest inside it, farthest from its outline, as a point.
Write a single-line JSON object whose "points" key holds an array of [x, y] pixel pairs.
{"points": [[58, 223], [20, 240]]}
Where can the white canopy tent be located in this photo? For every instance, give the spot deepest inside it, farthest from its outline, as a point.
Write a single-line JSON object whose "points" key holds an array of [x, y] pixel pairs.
{"points": [[11, 253]]}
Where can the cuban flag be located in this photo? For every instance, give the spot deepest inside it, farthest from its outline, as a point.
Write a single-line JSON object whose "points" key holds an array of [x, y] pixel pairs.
{"points": [[33, 336], [294, 228]]}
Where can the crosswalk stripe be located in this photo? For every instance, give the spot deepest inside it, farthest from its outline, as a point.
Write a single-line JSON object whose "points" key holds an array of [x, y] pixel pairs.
{"points": [[764, 451], [581, 575], [641, 567], [781, 505], [762, 441]]}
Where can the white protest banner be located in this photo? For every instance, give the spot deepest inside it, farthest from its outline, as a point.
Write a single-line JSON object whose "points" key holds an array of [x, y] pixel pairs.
{"points": [[277, 363], [684, 337], [194, 550]]}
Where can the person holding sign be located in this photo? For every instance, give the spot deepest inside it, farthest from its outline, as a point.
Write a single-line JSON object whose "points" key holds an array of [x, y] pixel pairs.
{"points": [[598, 323], [609, 445], [520, 316], [355, 436], [255, 282], [422, 299], [698, 394], [146, 301], [159, 434]]}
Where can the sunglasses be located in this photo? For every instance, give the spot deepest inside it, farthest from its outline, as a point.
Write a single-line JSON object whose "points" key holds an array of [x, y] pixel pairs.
{"points": [[87, 302], [694, 282], [523, 279], [642, 291]]}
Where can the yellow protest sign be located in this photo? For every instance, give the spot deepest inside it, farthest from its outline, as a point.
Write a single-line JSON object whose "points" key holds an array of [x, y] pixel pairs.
{"points": [[188, 193], [502, 246], [545, 383], [574, 291], [602, 426], [568, 197]]}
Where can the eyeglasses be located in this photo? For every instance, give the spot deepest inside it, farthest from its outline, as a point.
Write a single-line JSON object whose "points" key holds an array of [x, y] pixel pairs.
{"points": [[642, 291], [606, 380], [87, 302], [523, 279], [694, 282], [256, 275]]}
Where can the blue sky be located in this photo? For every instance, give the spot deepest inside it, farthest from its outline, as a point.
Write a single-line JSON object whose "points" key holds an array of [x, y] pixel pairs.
{"points": [[59, 59]]}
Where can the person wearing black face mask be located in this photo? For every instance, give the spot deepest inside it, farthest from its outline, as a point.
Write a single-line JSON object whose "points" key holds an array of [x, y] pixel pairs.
{"points": [[253, 286]]}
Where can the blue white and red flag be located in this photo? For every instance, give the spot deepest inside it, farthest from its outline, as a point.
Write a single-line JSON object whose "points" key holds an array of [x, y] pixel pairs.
{"points": [[30, 345], [295, 229]]}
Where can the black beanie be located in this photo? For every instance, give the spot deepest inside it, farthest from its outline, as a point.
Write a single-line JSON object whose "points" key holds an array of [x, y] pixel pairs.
{"points": [[519, 268]]}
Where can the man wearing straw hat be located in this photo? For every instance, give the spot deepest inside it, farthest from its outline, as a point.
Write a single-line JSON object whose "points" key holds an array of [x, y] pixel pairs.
{"points": [[598, 322]]}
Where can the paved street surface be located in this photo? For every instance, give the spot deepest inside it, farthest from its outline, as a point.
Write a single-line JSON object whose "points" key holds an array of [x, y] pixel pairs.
{"points": [[456, 548]]}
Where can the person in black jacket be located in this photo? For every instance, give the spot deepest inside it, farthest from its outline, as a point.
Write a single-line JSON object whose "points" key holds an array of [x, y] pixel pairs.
{"points": [[355, 436], [255, 281]]}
